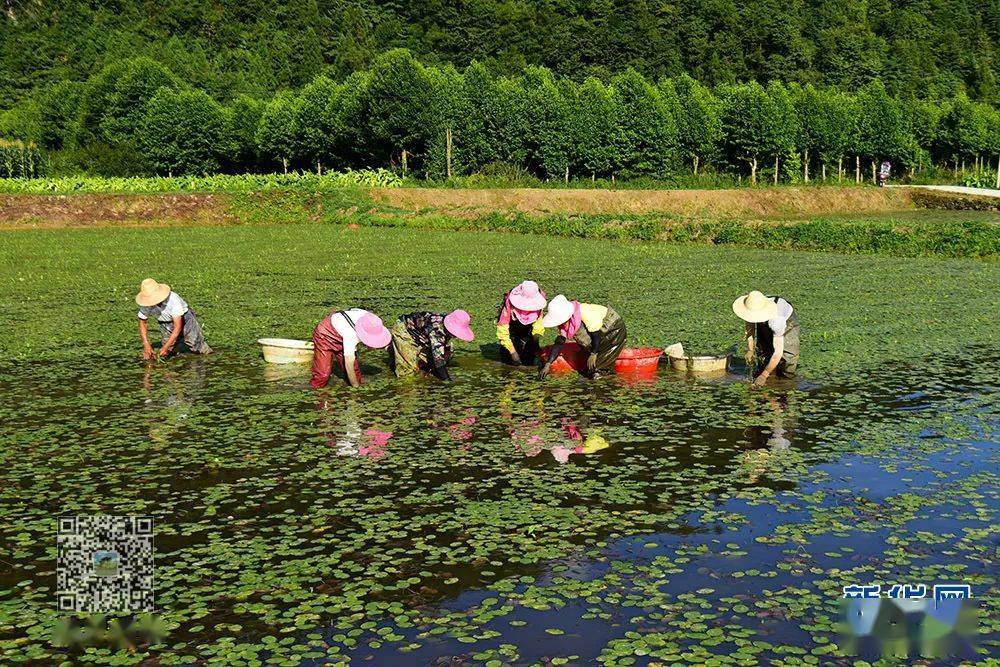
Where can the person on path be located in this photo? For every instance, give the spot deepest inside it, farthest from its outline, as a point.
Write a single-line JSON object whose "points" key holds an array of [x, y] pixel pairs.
{"points": [[421, 341], [885, 170], [335, 341], [519, 323], [772, 334], [598, 330], [179, 326]]}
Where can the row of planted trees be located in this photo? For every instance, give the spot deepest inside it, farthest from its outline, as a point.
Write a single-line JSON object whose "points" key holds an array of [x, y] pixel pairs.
{"points": [[441, 122]]}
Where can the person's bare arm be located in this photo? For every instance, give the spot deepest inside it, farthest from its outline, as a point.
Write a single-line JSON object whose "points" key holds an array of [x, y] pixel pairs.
{"points": [[147, 349], [554, 353], [779, 348], [748, 334], [169, 343], [349, 369]]}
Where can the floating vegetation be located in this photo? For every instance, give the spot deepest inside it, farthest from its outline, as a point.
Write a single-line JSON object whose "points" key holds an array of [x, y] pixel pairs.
{"points": [[494, 520]]}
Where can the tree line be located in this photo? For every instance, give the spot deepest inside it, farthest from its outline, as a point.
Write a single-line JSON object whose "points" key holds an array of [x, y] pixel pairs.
{"points": [[137, 116]]}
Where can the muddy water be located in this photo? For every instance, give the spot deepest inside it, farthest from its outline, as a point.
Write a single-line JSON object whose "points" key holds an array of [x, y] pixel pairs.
{"points": [[453, 521]]}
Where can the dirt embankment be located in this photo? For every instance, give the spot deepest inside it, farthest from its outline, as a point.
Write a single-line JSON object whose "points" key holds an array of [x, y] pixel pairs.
{"points": [[102, 210], [754, 203]]}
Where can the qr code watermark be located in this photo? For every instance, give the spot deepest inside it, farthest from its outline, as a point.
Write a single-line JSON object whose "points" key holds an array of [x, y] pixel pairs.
{"points": [[105, 564]]}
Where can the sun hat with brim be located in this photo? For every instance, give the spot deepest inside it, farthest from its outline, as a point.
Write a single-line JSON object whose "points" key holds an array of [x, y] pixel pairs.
{"points": [[457, 324], [372, 332], [755, 307], [560, 310], [151, 292], [527, 296]]}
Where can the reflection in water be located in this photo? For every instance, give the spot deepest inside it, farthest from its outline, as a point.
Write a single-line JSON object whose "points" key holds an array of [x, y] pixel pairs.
{"points": [[171, 388], [341, 422], [769, 441], [536, 433]]}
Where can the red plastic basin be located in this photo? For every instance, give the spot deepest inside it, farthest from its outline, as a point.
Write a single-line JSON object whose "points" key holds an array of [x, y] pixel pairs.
{"points": [[638, 360], [632, 361], [571, 358]]}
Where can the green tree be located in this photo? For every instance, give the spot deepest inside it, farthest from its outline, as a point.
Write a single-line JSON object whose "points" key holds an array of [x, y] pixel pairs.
{"points": [[113, 103], [785, 130], [747, 120], [881, 130], [597, 130], [277, 134], [699, 125], [397, 107], [244, 118], [547, 117], [184, 132], [59, 106], [965, 130], [314, 122], [649, 132]]}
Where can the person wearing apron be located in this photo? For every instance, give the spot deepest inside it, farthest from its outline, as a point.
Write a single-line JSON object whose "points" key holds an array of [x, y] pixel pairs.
{"points": [[335, 341], [772, 333], [179, 326], [519, 323], [421, 341], [598, 330]]}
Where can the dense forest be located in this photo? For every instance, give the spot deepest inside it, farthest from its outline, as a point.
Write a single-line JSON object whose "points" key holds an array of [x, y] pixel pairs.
{"points": [[595, 88], [918, 48]]}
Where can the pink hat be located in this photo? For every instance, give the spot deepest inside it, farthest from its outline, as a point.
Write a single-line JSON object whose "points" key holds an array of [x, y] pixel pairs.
{"points": [[372, 332], [527, 296], [457, 324]]}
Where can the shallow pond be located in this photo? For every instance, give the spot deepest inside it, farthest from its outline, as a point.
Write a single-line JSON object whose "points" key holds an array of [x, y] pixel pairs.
{"points": [[498, 518]]}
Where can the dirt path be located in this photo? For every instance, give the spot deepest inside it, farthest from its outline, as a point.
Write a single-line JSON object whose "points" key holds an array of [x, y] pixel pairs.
{"points": [[956, 189], [747, 202]]}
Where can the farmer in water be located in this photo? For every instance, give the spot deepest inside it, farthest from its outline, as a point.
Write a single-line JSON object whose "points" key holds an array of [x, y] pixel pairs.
{"points": [[519, 323], [179, 326], [772, 333], [421, 341], [598, 330], [335, 340]]}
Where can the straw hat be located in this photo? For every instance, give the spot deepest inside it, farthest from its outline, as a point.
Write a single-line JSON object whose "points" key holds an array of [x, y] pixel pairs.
{"points": [[527, 296], [151, 292], [755, 307], [560, 310], [457, 324], [372, 332]]}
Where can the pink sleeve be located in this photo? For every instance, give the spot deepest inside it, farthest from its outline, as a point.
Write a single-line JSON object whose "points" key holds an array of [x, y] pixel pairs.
{"points": [[504, 316]]}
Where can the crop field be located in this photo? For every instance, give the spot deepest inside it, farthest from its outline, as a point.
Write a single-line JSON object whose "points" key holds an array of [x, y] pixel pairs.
{"points": [[498, 519]]}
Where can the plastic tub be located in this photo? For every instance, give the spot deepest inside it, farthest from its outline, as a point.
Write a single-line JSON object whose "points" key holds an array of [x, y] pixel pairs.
{"points": [[632, 361], [286, 350], [638, 360], [571, 358], [702, 364]]}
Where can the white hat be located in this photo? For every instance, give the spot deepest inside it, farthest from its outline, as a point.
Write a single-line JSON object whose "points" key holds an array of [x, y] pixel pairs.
{"points": [[560, 310], [755, 307]]}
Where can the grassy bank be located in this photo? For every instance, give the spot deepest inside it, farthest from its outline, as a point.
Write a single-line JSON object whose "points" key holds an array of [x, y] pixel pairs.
{"points": [[253, 281], [878, 223]]}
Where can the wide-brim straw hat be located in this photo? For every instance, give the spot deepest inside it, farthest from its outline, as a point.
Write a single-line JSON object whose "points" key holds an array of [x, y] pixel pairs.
{"points": [[372, 332], [151, 292], [527, 296], [560, 310], [457, 323], [755, 307]]}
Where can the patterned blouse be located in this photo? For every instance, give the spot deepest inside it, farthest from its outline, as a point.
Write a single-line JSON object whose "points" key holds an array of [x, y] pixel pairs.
{"points": [[428, 332]]}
